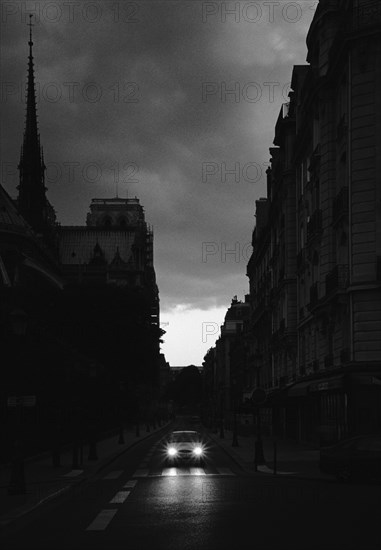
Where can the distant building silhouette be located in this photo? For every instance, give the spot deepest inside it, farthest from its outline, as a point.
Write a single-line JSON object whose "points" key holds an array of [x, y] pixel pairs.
{"points": [[59, 282]]}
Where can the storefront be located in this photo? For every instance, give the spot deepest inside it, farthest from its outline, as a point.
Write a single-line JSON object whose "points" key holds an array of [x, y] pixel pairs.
{"points": [[324, 411]]}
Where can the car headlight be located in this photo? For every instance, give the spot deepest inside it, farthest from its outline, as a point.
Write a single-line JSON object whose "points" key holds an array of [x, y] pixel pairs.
{"points": [[172, 451], [198, 451]]}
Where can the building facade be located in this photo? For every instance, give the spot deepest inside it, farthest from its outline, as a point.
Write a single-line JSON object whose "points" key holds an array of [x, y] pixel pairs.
{"points": [[323, 235], [228, 376]]}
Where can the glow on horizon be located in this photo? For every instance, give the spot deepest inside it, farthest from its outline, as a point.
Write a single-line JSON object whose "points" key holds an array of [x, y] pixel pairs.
{"points": [[190, 333]]}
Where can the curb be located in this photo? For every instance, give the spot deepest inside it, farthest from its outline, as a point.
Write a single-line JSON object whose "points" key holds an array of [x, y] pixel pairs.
{"points": [[6, 520], [287, 475], [65, 447], [119, 453]]}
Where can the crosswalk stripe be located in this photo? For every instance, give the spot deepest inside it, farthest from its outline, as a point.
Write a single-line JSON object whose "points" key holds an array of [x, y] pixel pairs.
{"points": [[141, 472], [113, 475], [73, 473], [144, 472], [120, 497], [197, 472], [130, 484], [102, 520], [169, 472]]}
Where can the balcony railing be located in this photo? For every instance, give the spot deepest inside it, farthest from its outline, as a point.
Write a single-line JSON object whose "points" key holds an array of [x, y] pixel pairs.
{"points": [[337, 279], [340, 204], [314, 225]]}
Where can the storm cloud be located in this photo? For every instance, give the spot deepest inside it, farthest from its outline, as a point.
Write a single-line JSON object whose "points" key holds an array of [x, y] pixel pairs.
{"points": [[172, 101]]}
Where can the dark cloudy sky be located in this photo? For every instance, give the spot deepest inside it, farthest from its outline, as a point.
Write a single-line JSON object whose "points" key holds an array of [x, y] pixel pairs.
{"points": [[135, 95]]}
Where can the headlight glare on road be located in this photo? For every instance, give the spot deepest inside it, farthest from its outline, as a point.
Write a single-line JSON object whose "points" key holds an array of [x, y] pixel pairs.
{"points": [[197, 451], [172, 451]]}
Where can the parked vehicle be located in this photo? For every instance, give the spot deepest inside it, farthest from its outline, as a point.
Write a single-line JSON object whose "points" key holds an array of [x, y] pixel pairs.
{"points": [[355, 458]]}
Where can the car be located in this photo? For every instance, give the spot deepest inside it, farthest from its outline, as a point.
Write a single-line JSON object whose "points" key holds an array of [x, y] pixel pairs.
{"points": [[185, 446], [354, 458]]}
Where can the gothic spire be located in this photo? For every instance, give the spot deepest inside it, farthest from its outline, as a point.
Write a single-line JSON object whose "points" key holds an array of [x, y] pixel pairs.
{"points": [[32, 199], [31, 136]]}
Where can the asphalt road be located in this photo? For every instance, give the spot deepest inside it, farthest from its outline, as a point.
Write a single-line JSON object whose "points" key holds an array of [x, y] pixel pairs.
{"points": [[137, 503]]}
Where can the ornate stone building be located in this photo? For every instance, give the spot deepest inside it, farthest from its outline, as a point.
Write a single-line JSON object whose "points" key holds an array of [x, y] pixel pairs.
{"points": [[84, 298], [115, 247], [323, 235]]}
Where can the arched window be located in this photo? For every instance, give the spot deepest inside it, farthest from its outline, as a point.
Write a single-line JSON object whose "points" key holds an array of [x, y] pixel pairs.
{"points": [[122, 222], [107, 222]]}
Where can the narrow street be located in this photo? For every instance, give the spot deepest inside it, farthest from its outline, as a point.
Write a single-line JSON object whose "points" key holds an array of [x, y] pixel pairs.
{"points": [[138, 503]]}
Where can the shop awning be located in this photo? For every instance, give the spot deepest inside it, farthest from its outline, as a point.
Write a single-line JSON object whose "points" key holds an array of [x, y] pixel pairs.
{"points": [[327, 384], [365, 379]]}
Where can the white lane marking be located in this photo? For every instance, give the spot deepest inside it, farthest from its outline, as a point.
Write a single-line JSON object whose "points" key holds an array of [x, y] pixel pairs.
{"points": [[225, 471], [141, 472], [102, 520], [73, 473], [197, 472], [130, 484], [169, 472], [120, 497], [114, 475]]}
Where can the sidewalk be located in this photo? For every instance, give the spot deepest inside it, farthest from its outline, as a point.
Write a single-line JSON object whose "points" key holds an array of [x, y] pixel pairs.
{"points": [[293, 459], [45, 482]]}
